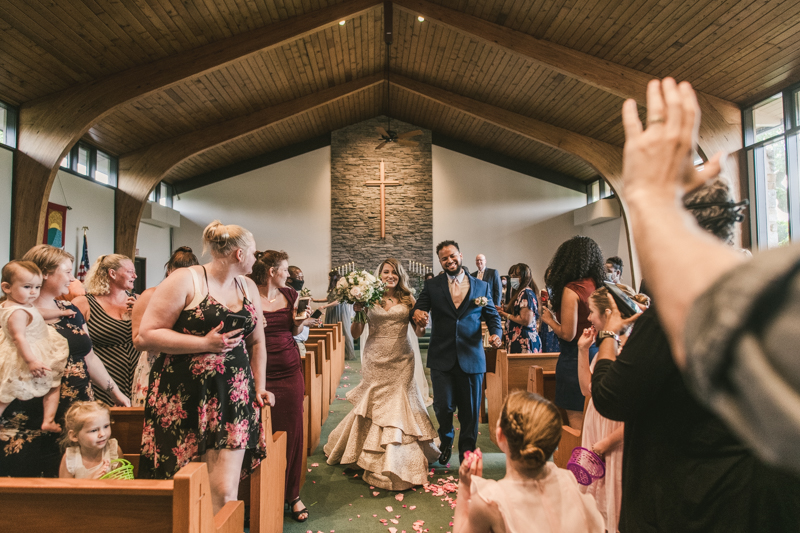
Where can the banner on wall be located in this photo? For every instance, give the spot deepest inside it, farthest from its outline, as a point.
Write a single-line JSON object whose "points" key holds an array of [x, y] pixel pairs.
{"points": [[56, 222]]}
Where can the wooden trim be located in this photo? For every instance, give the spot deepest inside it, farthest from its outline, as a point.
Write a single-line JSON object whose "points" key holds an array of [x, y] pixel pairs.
{"points": [[49, 126], [260, 161], [510, 163]]}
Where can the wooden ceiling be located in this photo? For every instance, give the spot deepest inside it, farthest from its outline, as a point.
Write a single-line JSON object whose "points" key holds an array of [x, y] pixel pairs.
{"points": [[735, 51]]}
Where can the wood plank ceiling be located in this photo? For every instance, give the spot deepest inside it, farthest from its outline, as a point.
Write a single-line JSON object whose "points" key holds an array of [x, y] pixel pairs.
{"points": [[735, 50]]}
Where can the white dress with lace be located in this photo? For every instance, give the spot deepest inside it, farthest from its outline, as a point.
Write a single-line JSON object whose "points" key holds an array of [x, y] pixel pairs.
{"points": [[388, 433], [16, 380], [74, 461]]}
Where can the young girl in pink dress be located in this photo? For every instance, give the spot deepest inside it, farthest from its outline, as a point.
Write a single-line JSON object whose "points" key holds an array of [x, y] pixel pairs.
{"points": [[535, 496], [601, 435]]}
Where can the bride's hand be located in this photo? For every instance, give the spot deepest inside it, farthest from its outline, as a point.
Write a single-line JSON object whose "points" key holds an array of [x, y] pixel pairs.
{"points": [[358, 307]]}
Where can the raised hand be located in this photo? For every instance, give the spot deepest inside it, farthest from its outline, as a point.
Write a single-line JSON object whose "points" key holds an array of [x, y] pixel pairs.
{"points": [[587, 338]]}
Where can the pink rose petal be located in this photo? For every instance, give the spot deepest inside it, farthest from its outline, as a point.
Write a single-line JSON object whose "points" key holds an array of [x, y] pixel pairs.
{"points": [[399, 497], [375, 493], [412, 507], [389, 509], [314, 464], [393, 521]]}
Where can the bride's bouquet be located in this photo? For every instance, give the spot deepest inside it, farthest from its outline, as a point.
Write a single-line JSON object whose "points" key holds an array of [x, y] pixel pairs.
{"points": [[360, 287]]}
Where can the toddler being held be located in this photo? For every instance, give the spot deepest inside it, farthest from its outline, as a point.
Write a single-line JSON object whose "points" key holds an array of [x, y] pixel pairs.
{"points": [[535, 496], [32, 355]]}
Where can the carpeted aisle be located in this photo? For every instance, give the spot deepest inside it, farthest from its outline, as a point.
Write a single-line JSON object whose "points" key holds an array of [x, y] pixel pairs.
{"points": [[342, 503]]}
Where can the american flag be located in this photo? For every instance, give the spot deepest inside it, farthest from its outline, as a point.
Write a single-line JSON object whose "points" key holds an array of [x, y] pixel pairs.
{"points": [[83, 268]]}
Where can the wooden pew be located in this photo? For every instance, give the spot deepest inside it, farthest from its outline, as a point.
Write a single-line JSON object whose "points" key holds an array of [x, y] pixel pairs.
{"points": [[337, 361], [180, 505], [313, 379], [323, 342], [264, 492], [510, 374]]}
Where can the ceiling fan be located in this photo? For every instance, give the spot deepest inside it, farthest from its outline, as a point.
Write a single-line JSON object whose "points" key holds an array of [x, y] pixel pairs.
{"points": [[387, 135]]}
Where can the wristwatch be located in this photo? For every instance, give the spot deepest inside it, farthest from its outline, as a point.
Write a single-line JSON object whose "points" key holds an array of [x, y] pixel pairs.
{"points": [[607, 335]]}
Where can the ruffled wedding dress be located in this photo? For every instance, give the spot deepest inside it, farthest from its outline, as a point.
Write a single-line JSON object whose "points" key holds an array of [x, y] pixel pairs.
{"points": [[388, 432]]}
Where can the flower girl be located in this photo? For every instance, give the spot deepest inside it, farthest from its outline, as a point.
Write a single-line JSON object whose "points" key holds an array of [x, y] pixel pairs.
{"points": [[535, 496], [32, 355], [90, 450]]}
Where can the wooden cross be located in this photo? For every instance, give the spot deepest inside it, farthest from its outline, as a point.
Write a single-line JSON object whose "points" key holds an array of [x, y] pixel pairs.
{"points": [[382, 183]]}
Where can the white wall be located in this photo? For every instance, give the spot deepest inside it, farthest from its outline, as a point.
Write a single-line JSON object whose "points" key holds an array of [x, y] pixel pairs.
{"points": [[507, 216], [93, 206], [287, 206], [6, 174], [153, 243]]}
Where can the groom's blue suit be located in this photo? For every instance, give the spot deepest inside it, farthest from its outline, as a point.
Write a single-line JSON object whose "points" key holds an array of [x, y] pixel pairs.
{"points": [[456, 356]]}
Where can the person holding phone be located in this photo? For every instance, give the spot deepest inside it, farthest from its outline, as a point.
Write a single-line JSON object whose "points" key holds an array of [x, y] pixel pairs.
{"points": [[574, 273], [284, 376], [206, 386], [521, 312]]}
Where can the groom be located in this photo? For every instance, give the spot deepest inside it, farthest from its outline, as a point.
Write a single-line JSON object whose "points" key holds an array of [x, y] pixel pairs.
{"points": [[455, 355]]}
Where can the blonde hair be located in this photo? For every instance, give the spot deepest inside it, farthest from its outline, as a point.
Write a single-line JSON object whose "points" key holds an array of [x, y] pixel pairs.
{"points": [[532, 427], [77, 415], [97, 280], [47, 258], [12, 270], [221, 240], [401, 290]]}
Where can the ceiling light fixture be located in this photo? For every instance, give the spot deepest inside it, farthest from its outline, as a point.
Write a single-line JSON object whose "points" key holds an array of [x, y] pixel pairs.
{"points": [[421, 18], [341, 23]]}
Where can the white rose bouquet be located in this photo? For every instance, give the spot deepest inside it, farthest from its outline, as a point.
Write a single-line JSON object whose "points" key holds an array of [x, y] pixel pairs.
{"points": [[360, 287]]}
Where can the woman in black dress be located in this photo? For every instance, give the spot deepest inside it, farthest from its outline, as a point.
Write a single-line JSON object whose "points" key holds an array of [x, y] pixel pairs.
{"points": [[206, 386], [25, 450]]}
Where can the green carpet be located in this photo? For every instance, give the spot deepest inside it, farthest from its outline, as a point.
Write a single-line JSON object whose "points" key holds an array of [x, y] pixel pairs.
{"points": [[335, 498]]}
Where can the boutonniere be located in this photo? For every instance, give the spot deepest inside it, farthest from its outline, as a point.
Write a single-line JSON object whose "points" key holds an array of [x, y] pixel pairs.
{"points": [[483, 301]]}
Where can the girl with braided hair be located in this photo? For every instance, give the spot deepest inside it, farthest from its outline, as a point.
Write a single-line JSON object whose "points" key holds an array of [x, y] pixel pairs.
{"points": [[535, 496]]}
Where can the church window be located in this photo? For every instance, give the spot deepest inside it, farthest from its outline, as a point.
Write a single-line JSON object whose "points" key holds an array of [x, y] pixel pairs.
{"points": [[771, 129], [88, 162], [8, 125]]}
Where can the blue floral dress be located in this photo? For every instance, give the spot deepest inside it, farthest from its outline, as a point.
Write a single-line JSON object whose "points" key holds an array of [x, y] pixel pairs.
{"points": [[519, 338], [197, 402]]}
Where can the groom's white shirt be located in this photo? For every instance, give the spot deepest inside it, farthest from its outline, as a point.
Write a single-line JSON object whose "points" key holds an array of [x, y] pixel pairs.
{"points": [[463, 281]]}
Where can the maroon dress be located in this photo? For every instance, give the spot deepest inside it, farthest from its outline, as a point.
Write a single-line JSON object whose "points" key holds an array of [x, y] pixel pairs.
{"points": [[285, 381]]}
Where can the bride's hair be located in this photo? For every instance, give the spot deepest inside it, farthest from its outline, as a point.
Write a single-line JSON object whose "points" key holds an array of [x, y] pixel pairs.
{"points": [[402, 291]]}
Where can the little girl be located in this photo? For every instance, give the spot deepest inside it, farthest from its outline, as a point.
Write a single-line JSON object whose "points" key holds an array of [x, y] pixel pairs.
{"points": [[601, 435], [535, 495], [32, 355], [90, 450]]}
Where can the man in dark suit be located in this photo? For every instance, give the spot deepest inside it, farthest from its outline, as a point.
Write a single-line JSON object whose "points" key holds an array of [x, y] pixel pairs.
{"points": [[490, 276], [455, 355]]}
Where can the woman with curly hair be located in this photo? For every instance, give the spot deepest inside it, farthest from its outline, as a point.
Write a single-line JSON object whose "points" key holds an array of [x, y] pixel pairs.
{"points": [[575, 272], [107, 309]]}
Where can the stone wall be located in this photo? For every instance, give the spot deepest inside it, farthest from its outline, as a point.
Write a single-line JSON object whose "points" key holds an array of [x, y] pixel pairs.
{"points": [[355, 208]]}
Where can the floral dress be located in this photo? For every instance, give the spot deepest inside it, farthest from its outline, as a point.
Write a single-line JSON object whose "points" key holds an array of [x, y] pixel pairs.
{"points": [[197, 402], [519, 338], [26, 450]]}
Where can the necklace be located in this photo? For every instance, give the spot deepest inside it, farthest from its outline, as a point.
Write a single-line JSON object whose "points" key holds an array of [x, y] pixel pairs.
{"points": [[267, 297]]}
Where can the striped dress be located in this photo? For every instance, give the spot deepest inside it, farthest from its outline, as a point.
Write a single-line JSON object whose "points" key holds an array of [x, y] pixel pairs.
{"points": [[113, 344]]}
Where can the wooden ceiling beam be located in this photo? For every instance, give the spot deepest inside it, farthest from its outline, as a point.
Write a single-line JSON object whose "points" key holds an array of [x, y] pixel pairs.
{"points": [[141, 170], [51, 125]]}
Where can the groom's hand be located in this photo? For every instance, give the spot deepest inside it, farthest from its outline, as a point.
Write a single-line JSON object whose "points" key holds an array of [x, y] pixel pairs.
{"points": [[420, 318], [495, 341]]}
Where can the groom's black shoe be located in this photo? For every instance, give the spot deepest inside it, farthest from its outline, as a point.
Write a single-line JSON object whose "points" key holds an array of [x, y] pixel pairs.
{"points": [[445, 456]]}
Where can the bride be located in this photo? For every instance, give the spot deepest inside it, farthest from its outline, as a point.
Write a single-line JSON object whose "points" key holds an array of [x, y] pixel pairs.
{"points": [[388, 433]]}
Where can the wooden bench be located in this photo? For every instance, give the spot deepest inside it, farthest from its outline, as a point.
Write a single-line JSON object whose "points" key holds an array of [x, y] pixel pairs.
{"points": [[313, 416], [320, 346], [338, 357], [264, 491], [510, 373], [180, 505], [539, 382]]}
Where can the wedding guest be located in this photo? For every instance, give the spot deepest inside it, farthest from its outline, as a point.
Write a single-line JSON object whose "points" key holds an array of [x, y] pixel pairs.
{"points": [[535, 496], [296, 281], [521, 313], [336, 311], [181, 258], [107, 308], [284, 376], [575, 271], [613, 269], [428, 276], [490, 276], [215, 377], [27, 451], [549, 338]]}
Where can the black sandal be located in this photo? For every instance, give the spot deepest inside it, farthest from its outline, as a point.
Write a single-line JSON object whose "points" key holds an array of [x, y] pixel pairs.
{"points": [[296, 514]]}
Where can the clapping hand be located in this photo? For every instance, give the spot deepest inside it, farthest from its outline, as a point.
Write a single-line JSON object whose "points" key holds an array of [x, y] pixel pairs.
{"points": [[471, 466]]}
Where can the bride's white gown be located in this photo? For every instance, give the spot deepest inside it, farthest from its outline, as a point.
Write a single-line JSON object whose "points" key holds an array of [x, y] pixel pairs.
{"points": [[388, 433]]}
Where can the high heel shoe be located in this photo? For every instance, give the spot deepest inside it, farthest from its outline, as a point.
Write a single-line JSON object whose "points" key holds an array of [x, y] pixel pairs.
{"points": [[296, 514]]}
